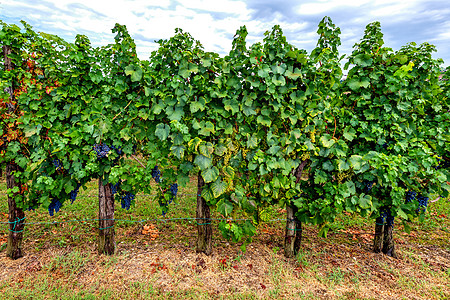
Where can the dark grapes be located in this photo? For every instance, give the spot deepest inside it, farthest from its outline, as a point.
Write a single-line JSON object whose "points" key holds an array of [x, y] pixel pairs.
{"points": [[126, 200], [423, 203], [156, 173], [102, 150], [74, 193], [174, 190], [368, 186], [58, 165], [115, 187], [54, 207], [386, 216], [410, 196]]}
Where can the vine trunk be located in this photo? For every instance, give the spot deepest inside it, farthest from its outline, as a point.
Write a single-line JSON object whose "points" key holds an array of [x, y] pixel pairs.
{"points": [[107, 244]]}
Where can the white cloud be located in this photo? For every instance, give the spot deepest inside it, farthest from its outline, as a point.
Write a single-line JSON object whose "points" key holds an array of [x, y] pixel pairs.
{"points": [[215, 22]]}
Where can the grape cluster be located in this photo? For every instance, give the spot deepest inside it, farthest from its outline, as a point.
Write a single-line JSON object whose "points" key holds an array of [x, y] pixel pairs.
{"points": [[156, 173], [126, 200], [119, 153], [386, 216], [423, 203], [58, 165], [410, 196], [115, 187], [368, 185], [54, 207], [102, 150], [74, 193], [174, 190]]}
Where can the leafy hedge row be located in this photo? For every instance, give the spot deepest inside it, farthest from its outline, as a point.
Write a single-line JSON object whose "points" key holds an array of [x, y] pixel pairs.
{"points": [[268, 124]]}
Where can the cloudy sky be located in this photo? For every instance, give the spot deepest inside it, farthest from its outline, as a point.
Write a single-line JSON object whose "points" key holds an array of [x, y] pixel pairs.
{"points": [[214, 22]]}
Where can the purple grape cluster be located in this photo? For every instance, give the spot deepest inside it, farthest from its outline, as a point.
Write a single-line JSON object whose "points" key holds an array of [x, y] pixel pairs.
{"points": [[174, 190], [58, 165], [368, 186], [386, 216], [410, 196], [126, 200], [54, 207], [156, 173], [102, 150], [423, 203], [115, 187], [74, 193]]}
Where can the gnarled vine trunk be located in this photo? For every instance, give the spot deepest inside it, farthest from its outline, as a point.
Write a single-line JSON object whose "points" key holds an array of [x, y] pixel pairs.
{"points": [[388, 241], [379, 236], [107, 243], [293, 235], [16, 216], [204, 228]]}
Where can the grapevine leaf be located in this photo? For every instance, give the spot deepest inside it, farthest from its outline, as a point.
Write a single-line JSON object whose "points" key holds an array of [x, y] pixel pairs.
{"points": [[218, 187], [162, 131], [203, 162], [178, 151], [210, 174], [228, 171], [225, 207]]}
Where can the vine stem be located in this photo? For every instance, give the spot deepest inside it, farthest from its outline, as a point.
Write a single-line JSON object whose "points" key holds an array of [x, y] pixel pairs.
{"points": [[135, 158], [334, 132], [118, 114]]}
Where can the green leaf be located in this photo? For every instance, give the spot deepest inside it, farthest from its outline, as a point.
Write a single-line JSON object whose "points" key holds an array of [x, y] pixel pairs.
{"points": [[218, 187], [203, 162], [279, 80], [210, 174], [162, 131], [264, 120], [264, 71], [228, 171], [252, 142], [402, 214], [356, 162], [279, 69], [207, 194], [225, 207], [206, 149], [293, 75], [183, 179], [356, 83], [326, 141], [365, 201], [220, 149], [206, 128], [134, 71], [349, 133], [364, 60], [178, 151]]}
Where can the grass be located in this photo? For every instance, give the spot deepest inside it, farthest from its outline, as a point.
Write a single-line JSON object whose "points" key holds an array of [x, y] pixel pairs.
{"points": [[61, 261]]}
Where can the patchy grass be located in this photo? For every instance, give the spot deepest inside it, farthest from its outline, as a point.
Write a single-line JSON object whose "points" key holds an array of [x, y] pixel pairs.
{"points": [[156, 259]]}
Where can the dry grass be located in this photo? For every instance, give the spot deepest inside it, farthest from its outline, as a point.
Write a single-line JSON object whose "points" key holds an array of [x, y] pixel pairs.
{"points": [[158, 260]]}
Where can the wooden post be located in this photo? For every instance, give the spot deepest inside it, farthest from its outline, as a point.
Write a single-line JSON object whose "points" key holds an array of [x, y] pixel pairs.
{"points": [[204, 227], [379, 235], [107, 243], [16, 215], [293, 235]]}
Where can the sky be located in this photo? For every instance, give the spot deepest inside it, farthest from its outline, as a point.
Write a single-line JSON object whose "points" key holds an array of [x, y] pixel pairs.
{"points": [[214, 22]]}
